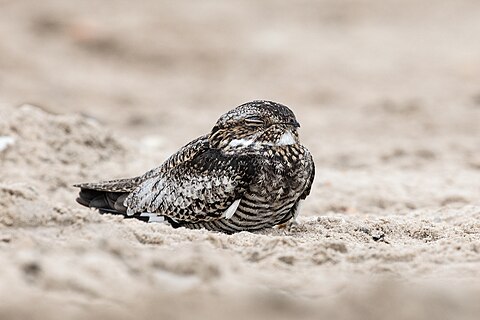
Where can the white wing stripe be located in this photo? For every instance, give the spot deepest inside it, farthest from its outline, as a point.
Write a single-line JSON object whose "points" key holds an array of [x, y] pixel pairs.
{"points": [[231, 210], [153, 217]]}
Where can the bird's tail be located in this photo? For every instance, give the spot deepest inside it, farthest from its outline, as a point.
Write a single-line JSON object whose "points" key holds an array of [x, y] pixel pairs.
{"points": [[104, 201], [107, 196]]}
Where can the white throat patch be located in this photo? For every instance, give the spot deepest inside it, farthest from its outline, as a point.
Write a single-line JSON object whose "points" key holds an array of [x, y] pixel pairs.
{"points": [[286, 139]]}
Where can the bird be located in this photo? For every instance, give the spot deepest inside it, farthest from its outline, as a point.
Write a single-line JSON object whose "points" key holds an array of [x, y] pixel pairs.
{"points": [[249, 173]]}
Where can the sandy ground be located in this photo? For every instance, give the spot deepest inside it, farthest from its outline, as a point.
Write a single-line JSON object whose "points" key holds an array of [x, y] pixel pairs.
{"points": [[388, 95]]}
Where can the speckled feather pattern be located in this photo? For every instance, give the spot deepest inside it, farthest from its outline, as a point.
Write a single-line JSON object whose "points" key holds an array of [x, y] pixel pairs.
{"points": [[250, 165], [193, 186]]}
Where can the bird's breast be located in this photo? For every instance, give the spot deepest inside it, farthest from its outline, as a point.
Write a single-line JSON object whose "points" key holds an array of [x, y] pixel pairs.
{"points": [[281, 175]]}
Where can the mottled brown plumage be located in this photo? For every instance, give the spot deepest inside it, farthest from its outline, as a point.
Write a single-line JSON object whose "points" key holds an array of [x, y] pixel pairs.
{"points": [[250, 172]]}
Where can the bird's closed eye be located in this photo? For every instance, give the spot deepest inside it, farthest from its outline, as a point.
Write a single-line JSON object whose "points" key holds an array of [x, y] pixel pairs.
{"points": [[254, 121]]}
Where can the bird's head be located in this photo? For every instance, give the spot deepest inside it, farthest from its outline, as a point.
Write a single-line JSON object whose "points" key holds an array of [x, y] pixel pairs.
{"points": [[255, 125]]}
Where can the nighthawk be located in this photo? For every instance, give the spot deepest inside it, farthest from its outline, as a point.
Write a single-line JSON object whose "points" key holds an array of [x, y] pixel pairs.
{"points": [[249, 173]]}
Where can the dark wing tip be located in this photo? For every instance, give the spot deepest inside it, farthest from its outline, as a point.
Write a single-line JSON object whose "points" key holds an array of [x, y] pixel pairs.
{"points": [[84, 185], [83, 202]]}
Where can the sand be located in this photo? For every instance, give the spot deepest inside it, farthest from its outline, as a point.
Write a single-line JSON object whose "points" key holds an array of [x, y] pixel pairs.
{"points": [[388, 98]]}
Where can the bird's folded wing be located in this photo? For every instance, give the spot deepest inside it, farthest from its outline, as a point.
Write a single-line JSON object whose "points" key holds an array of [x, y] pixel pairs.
{"points": [[119, 185], [200, 186], [130, 184]]}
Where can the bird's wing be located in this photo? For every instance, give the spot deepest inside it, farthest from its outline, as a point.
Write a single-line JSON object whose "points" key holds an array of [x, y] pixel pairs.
{"points": [[119, 185], [195, 184], [130, 184]]}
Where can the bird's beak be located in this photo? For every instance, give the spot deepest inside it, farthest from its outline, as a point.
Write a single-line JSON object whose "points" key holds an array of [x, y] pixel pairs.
{"points": [[295, 124]]}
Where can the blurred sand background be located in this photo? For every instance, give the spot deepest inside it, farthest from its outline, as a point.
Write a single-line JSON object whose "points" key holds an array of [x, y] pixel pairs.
{"points": [[388, 95]]}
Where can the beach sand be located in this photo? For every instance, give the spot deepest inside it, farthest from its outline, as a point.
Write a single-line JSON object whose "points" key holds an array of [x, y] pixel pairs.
{"points": [[388, 96]]}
